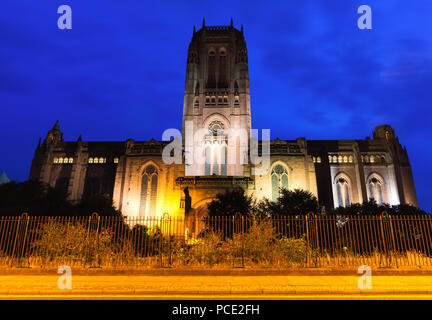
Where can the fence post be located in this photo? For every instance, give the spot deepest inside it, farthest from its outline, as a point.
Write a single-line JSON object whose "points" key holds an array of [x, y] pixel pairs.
{"points": [[25, 233], [393, 252], [169, 225], [15, 240], [86, 255], [238, 228], [196, 226], [242, 242], [384, 243], [307, 241], [95, 215], [317, 240], [160, 242], [165, 228]]}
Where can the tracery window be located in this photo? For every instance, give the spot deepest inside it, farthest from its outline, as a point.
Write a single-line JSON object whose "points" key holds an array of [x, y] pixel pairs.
{"points": [[375, 190], [222, 70], [279, 180], [148, 198], [343, 192], [211, 80], [215, 149]]}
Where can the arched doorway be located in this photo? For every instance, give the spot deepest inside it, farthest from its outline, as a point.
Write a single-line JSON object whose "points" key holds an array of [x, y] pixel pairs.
{"points": [[194, 220]]}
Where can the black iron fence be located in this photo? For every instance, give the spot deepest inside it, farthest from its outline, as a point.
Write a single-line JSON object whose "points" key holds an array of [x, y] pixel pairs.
{"points": [[234, 241]]}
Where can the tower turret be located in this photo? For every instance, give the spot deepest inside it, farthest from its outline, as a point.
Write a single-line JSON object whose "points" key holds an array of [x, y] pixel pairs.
{"points": [[54, 135], [217, 91]]}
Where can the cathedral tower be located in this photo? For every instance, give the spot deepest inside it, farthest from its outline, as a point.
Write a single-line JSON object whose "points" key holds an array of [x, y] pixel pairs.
{"points": [[217, 100]]}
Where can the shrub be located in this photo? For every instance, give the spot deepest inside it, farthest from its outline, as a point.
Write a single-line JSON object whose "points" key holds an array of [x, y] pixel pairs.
{"points": [[261, 245], [207, 250], [293, 250], [146, 240], [57, 240], [259, 242]]}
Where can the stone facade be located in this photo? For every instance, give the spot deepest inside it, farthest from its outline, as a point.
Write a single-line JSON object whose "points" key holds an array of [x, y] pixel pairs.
{"points": [[217, 99]]}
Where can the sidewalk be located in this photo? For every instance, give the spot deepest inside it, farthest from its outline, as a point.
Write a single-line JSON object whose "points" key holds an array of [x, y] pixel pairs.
{"points": [[219, 287]]}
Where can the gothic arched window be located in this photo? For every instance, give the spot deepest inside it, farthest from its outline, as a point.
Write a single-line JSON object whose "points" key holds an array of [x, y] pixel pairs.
{"points": [[197, 89], [211, 79], [148, 196], [222, 69], [208, 158], [215, 149], [343, 192], [279, 180], [375, 187]]}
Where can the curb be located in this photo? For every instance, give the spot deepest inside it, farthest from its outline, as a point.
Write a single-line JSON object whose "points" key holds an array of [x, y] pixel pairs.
{"points": [[212, 272], [211, 293]]}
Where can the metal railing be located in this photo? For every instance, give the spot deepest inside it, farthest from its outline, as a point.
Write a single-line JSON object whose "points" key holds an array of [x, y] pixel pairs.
{"points": [[233, 241]]}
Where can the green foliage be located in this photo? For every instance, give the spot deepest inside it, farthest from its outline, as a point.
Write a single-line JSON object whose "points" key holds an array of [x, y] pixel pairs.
{"points": [[59, 240], [146, 240], [208, 250], [371, 208], [39, 199], [102, 204], [294, 250], [261, 245], [33, 197], [230, 203], [259, 241], [290, 202]]}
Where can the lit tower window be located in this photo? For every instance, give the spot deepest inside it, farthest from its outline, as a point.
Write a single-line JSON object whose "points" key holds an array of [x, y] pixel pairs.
{"points": [[215, 149]]}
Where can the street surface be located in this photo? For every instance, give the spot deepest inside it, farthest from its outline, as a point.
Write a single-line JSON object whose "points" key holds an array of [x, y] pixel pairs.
{"points": [[214, 287]]}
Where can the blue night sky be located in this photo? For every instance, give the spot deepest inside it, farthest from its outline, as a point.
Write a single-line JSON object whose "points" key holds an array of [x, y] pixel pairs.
{"points": [[119, 73]]}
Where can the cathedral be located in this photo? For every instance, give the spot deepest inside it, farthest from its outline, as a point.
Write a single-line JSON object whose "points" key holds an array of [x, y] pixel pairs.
{"points": [[142, 183]]}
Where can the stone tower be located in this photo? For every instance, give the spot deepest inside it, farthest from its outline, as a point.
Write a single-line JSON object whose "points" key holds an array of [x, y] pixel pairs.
{"points": [[217, 102]]}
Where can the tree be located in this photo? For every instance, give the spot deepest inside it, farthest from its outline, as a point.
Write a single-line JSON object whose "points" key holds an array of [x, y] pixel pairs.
{"points": [[38, 199], [231, 202], [371, 208], [101, 204], [290, 202], [33, 197]]}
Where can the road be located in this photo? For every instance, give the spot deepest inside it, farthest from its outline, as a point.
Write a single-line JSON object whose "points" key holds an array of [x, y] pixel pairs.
{"points": [[214, 287]]}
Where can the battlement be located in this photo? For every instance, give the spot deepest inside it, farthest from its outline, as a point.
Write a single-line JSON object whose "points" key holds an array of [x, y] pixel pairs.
{"points": [[218, 28]]}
